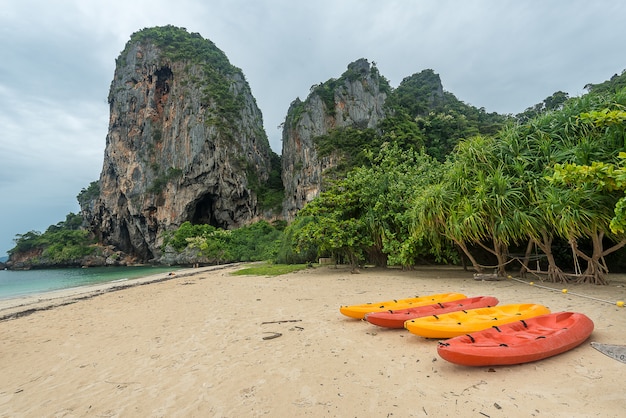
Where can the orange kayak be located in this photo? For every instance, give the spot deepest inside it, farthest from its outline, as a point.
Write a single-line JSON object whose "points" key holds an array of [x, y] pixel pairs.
{"points": [[359, 311], [395, 318], [520, 341], [464, 322]]}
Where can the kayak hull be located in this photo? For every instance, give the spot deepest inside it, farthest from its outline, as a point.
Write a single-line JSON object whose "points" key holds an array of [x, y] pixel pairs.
{"points": [[359, 311], [520, 341], [397, 317], [467, 321]]}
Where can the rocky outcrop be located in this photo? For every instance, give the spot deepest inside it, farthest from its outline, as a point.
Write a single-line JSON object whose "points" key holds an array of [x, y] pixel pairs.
{"points": [[185, 143], [354, 100], [35, 258]]}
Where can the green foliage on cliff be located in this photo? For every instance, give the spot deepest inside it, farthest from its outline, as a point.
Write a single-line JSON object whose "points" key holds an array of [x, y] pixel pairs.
{"points": [[217, 93], [550, 103], [89, 194], [439, 119], [351, 145], [272, 193], [63, 243], [417, 94], [359, 69], [269, 193], [177, 44], [295, 112], [162, 179]]}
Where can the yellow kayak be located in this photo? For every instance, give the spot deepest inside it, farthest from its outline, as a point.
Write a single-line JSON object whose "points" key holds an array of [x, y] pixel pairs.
{"points": [[458, 323], [359, 311]]}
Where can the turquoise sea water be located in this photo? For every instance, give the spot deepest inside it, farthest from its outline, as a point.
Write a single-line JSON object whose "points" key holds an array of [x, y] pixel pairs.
{"points": [[20, 283]]}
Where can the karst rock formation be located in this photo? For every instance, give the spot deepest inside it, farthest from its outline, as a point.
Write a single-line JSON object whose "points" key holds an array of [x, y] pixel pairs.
{"points": [[185, 143], [356, 100]]}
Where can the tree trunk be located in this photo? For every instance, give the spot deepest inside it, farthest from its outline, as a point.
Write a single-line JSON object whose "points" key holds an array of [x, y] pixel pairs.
{"points": [[461, 256], [529, 250], [596, 270], [472, 260], [499, 250], [555, 274], [377, 256]]}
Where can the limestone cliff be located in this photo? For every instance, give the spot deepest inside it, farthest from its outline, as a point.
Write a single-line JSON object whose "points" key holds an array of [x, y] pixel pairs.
{"points": [[185, 143], [354, 100]]}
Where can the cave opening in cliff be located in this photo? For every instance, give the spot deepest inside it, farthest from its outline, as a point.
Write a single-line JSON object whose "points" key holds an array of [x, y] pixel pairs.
{"points": [[163, 77], [202, 211], [162, 88]]}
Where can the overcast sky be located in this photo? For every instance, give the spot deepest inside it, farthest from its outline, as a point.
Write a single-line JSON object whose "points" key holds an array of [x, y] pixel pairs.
{"points": [[58, 58]]}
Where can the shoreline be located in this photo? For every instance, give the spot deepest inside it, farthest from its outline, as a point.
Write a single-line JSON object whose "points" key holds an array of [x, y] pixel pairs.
{"points": [[12, 308], [195, 344]]}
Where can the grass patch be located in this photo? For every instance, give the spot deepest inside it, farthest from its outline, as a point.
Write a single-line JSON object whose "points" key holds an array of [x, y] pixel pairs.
{"points": [[270, 269]]}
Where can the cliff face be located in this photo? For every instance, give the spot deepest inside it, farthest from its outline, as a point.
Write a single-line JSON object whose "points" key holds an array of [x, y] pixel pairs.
{"points": [[354, 100], [185, 143]]}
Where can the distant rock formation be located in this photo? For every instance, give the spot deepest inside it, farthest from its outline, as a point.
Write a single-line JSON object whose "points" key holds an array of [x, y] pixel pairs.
{"points": [[185, 143], [354, 100]]}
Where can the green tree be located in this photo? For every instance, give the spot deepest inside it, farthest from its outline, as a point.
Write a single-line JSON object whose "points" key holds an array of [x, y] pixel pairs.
{"points": [[214, 245], [598, 188], [335, 227], [387, 188], [365, 217], [290, 252], [605, 176], [178, 239]]}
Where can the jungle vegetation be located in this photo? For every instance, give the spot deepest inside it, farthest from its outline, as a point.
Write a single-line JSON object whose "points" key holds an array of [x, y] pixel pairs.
{"points": [[549, 185], [62, 244], [256, 242]]}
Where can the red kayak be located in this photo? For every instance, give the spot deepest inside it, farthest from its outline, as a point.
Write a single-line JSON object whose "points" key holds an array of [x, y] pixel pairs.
{"points": [[396, 318], [519, 342]]}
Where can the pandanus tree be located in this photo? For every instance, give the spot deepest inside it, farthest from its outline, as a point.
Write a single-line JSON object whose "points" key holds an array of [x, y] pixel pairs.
{"points": [[581, 212], [599, 187], [477, 203], [574, 210], [526, 151], [431, 220], [495, 191]]}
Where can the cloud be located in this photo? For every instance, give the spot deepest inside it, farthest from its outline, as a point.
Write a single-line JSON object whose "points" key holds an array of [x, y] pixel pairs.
{"points": [[59, 58]]}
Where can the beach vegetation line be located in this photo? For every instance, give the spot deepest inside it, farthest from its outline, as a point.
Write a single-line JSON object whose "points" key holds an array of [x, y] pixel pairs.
{"points": [[269, 269]]}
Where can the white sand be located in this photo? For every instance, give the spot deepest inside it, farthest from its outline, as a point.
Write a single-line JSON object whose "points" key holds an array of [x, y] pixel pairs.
{"points": [[194, 345]]}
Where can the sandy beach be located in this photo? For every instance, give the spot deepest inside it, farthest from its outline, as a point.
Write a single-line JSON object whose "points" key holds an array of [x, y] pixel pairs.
{"points": [[194, 344]]}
